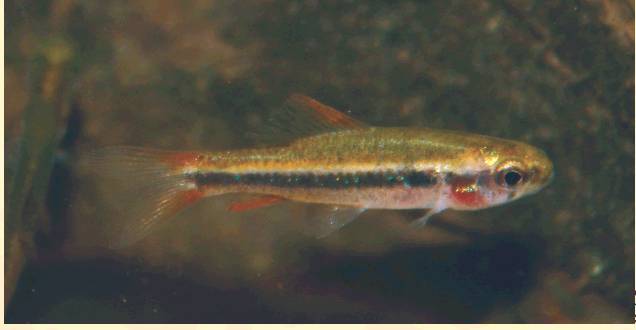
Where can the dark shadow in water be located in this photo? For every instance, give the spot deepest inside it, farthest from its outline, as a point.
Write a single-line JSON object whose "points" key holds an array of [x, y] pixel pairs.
{"points": [[61, 185], [105, 291], [436, 284], [447, 284]]}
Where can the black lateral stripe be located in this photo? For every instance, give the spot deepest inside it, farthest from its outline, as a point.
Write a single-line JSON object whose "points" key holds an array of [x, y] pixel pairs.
{"points": [[406, 179]]}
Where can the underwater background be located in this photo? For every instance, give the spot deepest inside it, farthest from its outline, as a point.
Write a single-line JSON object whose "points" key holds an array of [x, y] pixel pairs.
{"points": [[203, 74]]}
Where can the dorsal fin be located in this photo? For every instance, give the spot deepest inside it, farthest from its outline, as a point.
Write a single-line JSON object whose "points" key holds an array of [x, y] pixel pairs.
{"points": [[303, 116], [324, 112]]}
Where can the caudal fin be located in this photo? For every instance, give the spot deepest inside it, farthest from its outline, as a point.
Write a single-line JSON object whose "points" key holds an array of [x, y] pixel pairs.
{"points": [[146, 186]]}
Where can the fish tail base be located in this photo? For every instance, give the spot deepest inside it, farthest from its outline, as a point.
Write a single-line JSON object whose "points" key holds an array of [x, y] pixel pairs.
{"points": [[145, 186]]}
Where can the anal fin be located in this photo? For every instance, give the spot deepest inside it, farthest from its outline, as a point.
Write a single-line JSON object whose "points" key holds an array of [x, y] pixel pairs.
{"points": [[255, 203]]}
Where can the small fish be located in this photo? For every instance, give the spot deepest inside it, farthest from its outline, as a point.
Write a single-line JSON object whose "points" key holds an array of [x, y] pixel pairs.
{"points": [[338, 161]]}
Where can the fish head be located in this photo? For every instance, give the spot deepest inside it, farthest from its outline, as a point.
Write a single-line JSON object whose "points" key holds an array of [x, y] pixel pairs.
{"points": [[509, 171]]}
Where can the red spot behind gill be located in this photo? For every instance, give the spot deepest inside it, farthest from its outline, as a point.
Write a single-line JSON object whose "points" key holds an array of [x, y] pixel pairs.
{"points": [[465, 192]]}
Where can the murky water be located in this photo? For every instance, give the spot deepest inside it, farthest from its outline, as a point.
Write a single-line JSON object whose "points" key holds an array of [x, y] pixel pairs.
{"points": [[203, 75]]}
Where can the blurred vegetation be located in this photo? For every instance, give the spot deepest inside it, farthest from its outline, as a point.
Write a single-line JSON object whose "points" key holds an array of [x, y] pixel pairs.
{"points": [[31, 146], [200, 74]]}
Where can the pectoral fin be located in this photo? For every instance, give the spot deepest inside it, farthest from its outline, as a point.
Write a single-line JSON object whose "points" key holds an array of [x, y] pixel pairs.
{"points": [[423, 220]]}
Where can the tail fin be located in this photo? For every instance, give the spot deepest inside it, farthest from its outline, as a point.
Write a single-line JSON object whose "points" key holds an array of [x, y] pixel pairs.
{"points": [[146, 186]]}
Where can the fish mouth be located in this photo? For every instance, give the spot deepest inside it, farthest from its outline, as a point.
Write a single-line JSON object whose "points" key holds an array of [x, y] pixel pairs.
{"points": [[550, 179], [536, 186]]}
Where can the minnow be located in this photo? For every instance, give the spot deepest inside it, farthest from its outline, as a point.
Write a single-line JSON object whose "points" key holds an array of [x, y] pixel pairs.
{"points": [[340, 162]]}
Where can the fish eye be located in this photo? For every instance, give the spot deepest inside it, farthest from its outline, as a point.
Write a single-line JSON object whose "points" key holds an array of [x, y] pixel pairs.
{"points": [[510, 177]]}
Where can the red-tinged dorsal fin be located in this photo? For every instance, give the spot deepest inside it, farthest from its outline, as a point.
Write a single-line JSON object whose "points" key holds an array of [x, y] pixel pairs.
{"points": [[329, 115], [254, 203], [302, 116], [141, 189]]}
